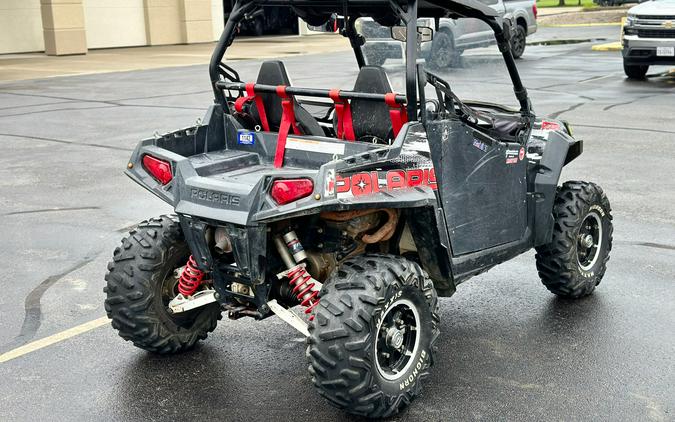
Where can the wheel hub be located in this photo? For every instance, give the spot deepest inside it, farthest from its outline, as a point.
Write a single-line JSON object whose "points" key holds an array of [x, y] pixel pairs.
{"points": [[395, 338], [589, 241]]}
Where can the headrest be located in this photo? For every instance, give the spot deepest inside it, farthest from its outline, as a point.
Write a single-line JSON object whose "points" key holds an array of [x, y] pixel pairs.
{"points": [[373, 80], [273, 72], [371, 118]]}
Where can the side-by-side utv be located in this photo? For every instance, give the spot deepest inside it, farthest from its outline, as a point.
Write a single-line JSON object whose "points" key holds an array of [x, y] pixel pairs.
{"points": [[360, 217]]}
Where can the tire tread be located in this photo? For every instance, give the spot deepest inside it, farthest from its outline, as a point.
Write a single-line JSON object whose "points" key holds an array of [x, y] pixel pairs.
{"points": [[347, 381], [130, 296], [557, 261]]}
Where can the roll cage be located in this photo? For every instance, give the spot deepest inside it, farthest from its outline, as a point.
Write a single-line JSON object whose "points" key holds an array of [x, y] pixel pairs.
{"points": [[386, 12]]}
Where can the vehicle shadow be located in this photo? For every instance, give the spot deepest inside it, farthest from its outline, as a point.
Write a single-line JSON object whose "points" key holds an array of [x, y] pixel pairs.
{"points": [[664, 79], [224, 379], [482, 360]]}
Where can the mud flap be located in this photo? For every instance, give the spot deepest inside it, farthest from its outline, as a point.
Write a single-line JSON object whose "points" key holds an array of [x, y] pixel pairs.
{"points": [[482, 185]]}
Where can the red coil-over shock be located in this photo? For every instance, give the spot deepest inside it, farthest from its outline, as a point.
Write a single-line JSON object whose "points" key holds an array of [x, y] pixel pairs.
{"points": [[304, 286], [190, 278]]}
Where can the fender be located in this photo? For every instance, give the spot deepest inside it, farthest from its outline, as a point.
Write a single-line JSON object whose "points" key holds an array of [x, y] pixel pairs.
{"points": [[560, 150]]}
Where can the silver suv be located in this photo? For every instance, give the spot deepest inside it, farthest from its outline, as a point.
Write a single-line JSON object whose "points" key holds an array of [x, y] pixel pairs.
{"points": [[649, 37]]}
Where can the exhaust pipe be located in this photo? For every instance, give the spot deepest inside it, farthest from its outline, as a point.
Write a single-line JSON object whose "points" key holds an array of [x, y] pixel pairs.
{"points": [[222, 241]]}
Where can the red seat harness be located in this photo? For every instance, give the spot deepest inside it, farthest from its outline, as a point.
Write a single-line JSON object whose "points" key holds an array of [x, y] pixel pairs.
{"points": [[397, 112], [343, 111], [251, 96], [287, 122]]}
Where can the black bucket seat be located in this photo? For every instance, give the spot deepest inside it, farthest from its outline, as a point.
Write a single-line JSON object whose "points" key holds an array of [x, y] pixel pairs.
{"points": [[371, 119], [273, 72]]}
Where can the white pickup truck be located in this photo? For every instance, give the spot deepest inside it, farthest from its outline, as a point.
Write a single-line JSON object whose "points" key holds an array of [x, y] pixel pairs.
{"points": [[649, 37], [453, 35]]}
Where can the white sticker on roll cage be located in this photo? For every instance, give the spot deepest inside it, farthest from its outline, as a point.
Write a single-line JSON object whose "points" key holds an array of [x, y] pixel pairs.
{"points": [[312, 145]]}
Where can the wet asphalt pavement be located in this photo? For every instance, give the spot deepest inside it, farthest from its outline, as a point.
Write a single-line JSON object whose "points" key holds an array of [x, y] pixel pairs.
{"points": [[509, 350]]}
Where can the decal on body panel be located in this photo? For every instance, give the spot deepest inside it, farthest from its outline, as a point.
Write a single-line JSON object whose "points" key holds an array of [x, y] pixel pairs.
{"points": [[367, 183], [329, 186]]}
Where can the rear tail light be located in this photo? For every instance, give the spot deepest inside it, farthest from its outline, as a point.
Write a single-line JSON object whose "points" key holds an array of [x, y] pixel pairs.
{"points": [[285, 191], [159, 169], [550, 125], [534, 10]]}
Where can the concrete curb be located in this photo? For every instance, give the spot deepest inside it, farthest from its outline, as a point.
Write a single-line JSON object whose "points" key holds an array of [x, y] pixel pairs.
{"points": [[612, 46], [575, 25], [39, 66], [553, 11], [564, 41]]}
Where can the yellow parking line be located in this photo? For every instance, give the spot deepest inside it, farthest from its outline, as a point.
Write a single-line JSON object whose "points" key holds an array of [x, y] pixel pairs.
{"points": [[53, 339]]}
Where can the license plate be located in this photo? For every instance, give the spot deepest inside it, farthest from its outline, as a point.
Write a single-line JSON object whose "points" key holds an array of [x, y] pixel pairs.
{"points": [[665, 51]]}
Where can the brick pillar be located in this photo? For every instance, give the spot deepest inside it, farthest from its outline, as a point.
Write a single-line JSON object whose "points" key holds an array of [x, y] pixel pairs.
{"points": [[178, 21], [196, 20], [63, 27], [163, 22]]}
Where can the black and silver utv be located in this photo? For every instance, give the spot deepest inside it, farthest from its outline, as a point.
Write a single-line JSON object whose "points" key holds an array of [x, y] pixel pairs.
{"points": [[360, 217]]}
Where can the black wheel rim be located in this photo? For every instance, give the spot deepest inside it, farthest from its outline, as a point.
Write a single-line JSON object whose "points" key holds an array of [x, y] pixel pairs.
{"points": [[397, 339], [170, 286], [589, 241], [518, 43]]}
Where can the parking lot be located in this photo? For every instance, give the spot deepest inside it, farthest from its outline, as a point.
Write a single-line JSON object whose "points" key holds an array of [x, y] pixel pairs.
{"points": [[509, 350]]}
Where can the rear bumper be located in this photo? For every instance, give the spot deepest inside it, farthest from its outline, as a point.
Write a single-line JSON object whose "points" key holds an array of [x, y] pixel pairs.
{"points": [[643, 50], [531, 28]]}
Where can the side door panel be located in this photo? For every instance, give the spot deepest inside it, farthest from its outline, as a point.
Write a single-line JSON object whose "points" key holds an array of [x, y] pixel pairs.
{"points": [[482, 186]]}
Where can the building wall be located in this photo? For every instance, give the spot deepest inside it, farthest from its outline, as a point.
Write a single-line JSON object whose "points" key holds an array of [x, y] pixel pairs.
{"points": [[118, 23], [217, 18], [197, 21], [20, 26], [73, 26]]}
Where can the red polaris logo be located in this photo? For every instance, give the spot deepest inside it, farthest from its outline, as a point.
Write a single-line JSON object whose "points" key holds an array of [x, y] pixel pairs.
{"points": [[373, 182]]}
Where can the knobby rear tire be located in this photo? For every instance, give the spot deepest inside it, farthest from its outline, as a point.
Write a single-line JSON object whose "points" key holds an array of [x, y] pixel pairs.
{"points": [[342, 343], [136, 293]]}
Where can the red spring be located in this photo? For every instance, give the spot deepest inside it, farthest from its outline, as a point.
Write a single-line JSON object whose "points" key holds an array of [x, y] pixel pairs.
{"points": [[303, 288], [190, 278]]}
